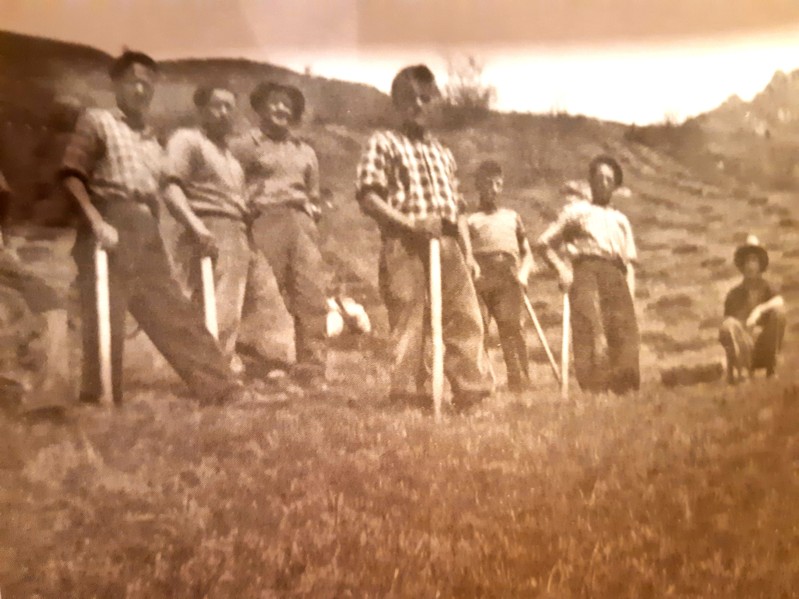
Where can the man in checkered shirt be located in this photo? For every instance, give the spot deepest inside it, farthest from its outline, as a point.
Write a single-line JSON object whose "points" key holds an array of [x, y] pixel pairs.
{"points": [[407, 183], [111, 168]]}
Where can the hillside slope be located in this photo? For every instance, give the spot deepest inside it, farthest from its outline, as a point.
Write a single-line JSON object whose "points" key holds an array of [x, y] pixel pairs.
{"points": [[686, 228]]}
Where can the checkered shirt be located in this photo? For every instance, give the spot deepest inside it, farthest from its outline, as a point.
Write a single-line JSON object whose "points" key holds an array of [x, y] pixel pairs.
{"points": [[114, 159], [415, 176]]}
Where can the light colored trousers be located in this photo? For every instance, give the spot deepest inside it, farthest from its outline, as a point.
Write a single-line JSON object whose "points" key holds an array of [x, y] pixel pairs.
{"points": [[404, 286], [230, 274]]}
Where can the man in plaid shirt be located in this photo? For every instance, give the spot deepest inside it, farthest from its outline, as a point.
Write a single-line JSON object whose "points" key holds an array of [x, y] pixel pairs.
{"points": [[407, 183], [111, 168]]}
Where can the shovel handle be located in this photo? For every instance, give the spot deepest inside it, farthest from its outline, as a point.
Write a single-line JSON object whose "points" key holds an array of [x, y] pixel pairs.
{"points": [[553, 364], [102, 296], [209, 296], [436, 327], [564, 356]]}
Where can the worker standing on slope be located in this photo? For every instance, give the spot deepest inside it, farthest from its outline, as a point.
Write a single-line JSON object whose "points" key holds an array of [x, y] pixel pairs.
{"points": [[502, 251], [282, 178], [601, 282], [205, 190], [406, 181], [111, 168]]}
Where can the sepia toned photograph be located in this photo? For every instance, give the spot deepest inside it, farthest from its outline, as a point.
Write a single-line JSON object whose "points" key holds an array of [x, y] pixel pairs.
{"points": [[399, 298]]}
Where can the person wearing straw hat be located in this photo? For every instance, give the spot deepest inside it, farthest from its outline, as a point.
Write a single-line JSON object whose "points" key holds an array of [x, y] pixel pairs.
{"points": [[598, 240], [282, 178], [204, 188], [754, 316], [500, 246], [407, 183], [111, 169]]}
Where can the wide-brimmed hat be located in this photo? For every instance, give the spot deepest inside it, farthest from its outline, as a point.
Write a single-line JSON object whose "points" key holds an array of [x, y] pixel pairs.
{"points": [[597, 161], [263, 89], [752, 247]]}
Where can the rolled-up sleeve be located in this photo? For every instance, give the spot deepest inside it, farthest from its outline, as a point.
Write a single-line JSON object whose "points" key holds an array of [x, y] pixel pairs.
{"points": [[84, 149], [372, 173], [178, 158]]}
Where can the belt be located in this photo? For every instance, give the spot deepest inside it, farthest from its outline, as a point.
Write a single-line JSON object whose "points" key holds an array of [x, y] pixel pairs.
{"points": [[614, 261]]}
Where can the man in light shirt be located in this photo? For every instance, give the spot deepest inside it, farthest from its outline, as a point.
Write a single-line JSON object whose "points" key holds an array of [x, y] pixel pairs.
{"points": [[282, 178], [204, 189], [599, 242], [500, 246]]}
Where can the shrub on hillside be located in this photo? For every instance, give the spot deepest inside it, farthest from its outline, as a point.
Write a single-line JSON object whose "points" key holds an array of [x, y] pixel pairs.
{"points": [[467, 97]]}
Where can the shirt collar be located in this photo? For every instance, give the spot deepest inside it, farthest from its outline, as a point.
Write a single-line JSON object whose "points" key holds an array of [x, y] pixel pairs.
{"points": [[142, 127], [259, 137], [426, 137]]}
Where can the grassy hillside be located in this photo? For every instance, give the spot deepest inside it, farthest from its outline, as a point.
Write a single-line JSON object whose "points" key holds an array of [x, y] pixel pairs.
{"points": [[687, 492]]}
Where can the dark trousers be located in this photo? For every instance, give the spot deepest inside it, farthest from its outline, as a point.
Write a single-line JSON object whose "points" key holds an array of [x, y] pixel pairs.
{"points": [[501, 299], [404, 286], [289, 240], [604, 327], [141, 282]]}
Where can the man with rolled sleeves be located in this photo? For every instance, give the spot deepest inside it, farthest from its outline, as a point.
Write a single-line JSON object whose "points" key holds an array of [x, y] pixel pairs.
{"points": [[111, 168], [282, 179], [204, 188], [600, 281], [407, 183]]}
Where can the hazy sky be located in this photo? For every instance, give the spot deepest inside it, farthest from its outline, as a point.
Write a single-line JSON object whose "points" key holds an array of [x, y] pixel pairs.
{"points": [[626, 60]]}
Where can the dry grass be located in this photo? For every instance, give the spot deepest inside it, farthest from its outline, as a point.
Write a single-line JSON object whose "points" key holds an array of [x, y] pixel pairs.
{"points": [[684, 493]]}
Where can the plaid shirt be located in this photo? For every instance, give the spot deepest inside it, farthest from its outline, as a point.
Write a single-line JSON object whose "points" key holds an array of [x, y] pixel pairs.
{"points": [[415, 176], [113, 158]]}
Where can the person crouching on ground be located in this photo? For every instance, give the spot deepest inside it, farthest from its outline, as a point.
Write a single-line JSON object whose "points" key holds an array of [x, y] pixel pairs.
{"points": [[406, 182], [754, 316], [282, 177], [111, 169], [205, 191], [500, 246], [601, 282]]}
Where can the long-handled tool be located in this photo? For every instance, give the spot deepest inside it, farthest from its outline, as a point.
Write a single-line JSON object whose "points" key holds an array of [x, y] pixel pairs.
{"points": [[209, 295], [564, 356], [102, 295], [435, 326], [541, 336]]}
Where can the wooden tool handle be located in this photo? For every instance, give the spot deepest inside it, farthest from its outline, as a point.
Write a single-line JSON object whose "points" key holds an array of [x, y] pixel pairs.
{"points": [[209, 296], [564, 357], [436, 327], [102, 294]]}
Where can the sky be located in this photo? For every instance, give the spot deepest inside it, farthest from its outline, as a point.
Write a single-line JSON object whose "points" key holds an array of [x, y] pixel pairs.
{"points": [[634, 61]]}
